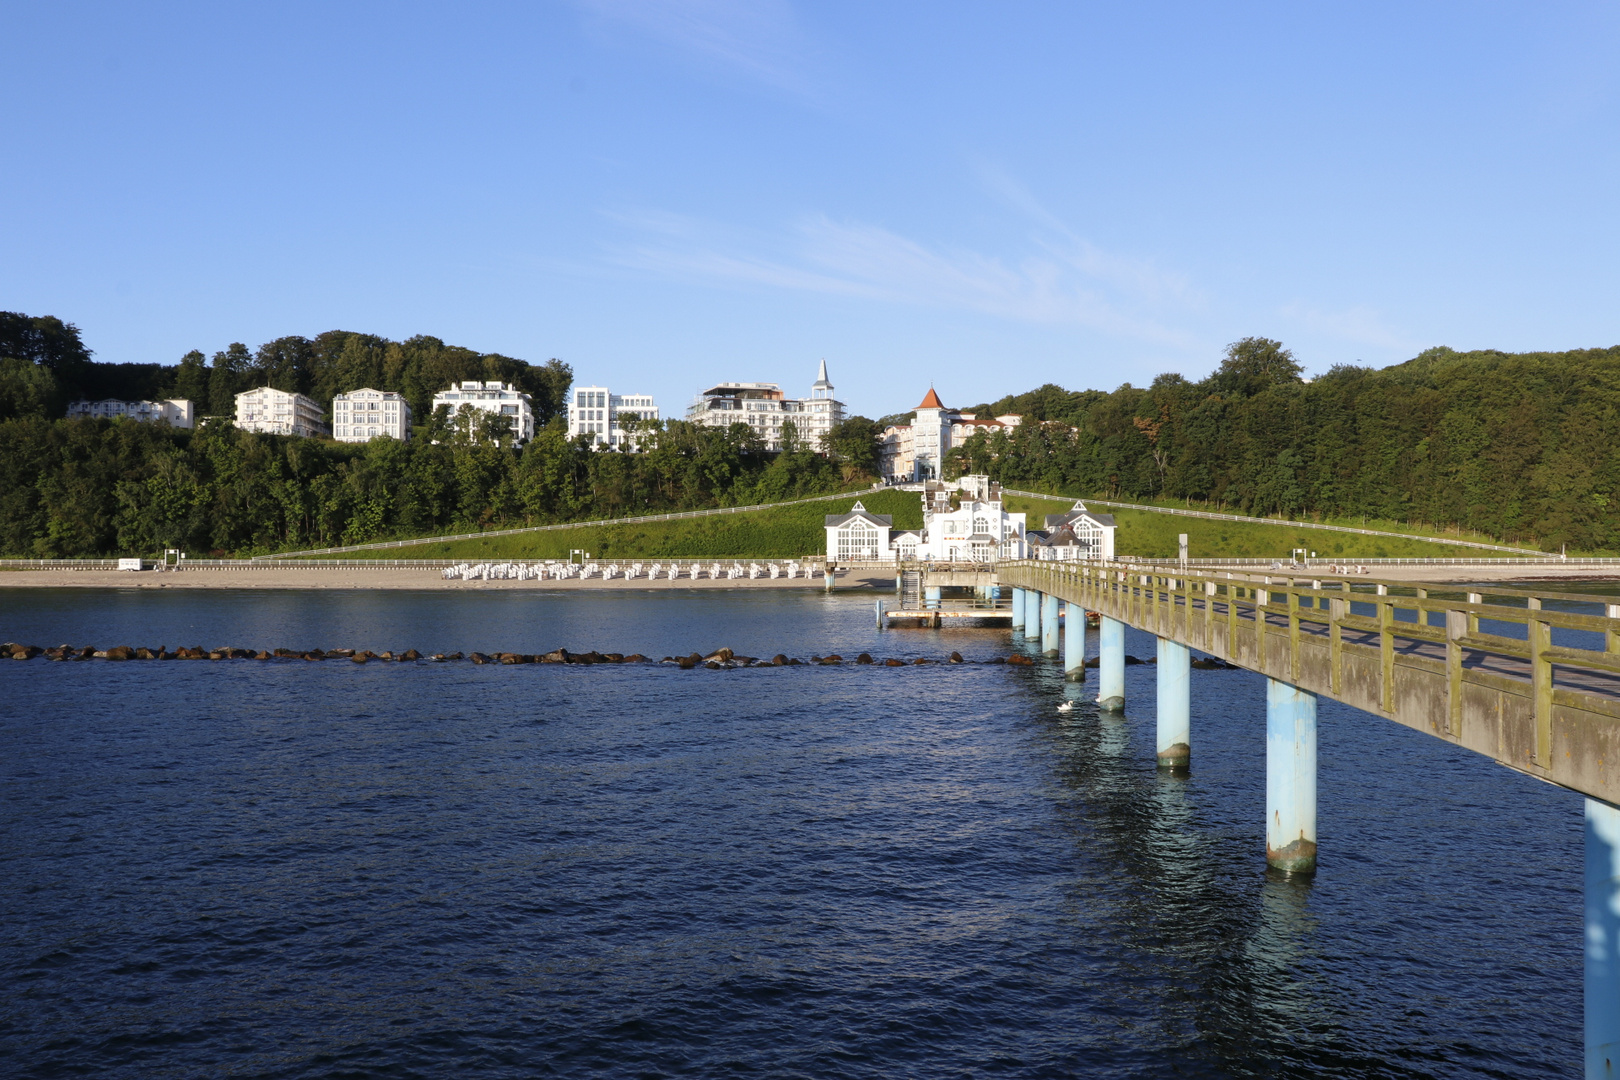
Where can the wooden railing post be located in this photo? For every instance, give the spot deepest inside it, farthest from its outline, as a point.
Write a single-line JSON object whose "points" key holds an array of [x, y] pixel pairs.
{"points": [[1231, 617], [1611, 639], [1209, 615], [1541, 678], [1473, 616], [1293, 636], [1386, 651], [1337, 607], [1456, 628]]}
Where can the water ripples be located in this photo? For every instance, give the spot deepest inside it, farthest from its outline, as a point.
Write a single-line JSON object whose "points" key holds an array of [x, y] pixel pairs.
{"points": [[324, 870]]}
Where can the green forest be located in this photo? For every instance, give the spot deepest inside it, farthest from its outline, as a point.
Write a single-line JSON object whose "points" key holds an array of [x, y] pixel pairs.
{"points": [[1522, 447], [82, 487]]}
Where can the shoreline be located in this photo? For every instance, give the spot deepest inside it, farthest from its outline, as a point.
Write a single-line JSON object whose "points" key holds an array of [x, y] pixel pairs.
{"points": [[400, 578], [866, 580]]}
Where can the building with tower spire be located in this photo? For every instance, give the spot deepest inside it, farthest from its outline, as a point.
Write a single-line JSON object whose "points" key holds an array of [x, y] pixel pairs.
{"points": [[916, 451], [767, 411]]}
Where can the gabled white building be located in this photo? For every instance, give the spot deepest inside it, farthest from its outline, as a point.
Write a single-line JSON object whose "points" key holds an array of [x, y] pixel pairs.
{"points": [[595, 411], [492, 397], [361, 415], [279, 412], [1078, 534], [858, 536], [176, 411], [979, 529]]}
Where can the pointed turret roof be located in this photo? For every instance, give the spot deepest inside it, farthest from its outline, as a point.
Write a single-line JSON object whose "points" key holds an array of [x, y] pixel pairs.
{"points": [[822, 378], [931, 401]]}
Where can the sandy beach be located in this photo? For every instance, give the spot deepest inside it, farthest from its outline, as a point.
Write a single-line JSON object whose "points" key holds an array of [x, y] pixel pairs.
{"points": [[397, 578], [875, 580]]}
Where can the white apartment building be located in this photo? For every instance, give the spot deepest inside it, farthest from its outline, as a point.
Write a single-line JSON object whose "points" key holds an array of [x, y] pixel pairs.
{"points": [[492, 397], [364, 414], [177, 411], [279, 412], [763, 407], [916, 451], [595, 411]]}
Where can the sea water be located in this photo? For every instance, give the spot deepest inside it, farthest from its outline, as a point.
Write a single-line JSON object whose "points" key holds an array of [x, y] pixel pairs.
{"points": [[295, 869]]}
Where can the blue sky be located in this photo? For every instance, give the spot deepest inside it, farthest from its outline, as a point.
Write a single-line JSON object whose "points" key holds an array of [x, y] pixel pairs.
{"points": [[984, 196]]}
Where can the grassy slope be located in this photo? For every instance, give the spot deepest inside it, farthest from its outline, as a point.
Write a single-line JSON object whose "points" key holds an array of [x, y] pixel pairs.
{"points": [[790, 532], [796, 530], [1381, 524], [1144, 533]]}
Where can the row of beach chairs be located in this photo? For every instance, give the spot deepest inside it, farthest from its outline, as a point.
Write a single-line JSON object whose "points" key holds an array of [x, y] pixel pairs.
{"points": [[552, 570]]}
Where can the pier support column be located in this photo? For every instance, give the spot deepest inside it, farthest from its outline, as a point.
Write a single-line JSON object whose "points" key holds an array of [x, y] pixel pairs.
{"points": [[1032, 615], [1111, 665], [1290, 777], [827, 579], [1049, 625], [1175, 706], [1018, 608], [1602, 940], [1074, 643], [931, 598]]}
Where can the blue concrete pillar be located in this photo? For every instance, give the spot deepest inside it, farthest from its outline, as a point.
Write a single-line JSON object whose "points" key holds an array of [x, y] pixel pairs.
{"points": [[1032, 615], [1602, 940], [827, 580], [1111, 665], [1175, 706], [1290, 777], [1018, 608], [931, 598], [1049, 625], [1074, 643]]}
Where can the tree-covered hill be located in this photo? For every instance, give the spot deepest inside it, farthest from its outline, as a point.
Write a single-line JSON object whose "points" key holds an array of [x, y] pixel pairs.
{"points": [[44, 365], [1521, 446]]}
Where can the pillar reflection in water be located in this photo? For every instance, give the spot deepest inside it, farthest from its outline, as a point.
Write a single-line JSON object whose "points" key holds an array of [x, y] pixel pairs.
{"points": [[1602, 940]]}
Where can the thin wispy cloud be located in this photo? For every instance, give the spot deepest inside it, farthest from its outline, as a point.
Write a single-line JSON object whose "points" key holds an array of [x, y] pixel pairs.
{"points": [[1360, 325], [1140, 277], [1055, 281], [760, 39]]}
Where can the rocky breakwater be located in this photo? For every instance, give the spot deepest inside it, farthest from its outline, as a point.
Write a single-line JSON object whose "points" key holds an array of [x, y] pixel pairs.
{"points": [[713, 660]]}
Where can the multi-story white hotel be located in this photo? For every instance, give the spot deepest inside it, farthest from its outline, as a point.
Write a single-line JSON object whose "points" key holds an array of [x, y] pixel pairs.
{"points": [[177, 411], [365, 414], [763, 407], [595, 411], [916, 451], [492, 397], [278, 412]]}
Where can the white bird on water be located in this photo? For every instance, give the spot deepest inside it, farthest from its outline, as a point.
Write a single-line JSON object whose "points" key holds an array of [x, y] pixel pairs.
{"points": [[1067, 706]]}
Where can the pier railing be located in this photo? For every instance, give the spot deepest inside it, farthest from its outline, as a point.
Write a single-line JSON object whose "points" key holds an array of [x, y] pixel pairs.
{"points": [[1528, 677]]}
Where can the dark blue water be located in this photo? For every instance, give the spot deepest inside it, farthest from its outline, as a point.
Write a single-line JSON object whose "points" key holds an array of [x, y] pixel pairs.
{"points": [[335, 870]]}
